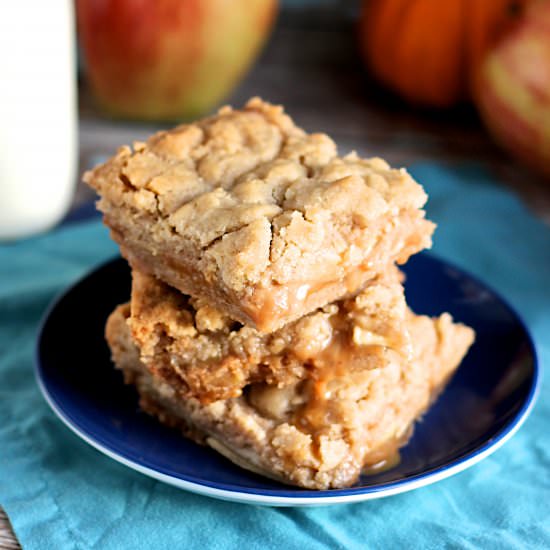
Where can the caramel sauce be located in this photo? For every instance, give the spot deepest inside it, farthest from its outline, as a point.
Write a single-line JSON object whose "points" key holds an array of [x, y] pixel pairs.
{"points": [[386, 456], [321, 408], [277, 302], [389, 461], [319, 411], [270, 305]]}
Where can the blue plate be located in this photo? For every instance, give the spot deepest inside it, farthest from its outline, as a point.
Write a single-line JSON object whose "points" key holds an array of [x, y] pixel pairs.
{"points": [[486, 402]]}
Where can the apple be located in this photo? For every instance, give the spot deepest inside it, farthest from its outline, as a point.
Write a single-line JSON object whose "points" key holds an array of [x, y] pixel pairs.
{"points": [[512, 91], [169, 59]]}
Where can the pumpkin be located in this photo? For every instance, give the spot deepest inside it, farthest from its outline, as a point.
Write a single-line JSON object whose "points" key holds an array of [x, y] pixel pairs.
{"points": [[428, 51]]}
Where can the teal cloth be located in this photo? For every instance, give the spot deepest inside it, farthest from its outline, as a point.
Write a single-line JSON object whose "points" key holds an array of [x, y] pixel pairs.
{"points": [[60, 493]]}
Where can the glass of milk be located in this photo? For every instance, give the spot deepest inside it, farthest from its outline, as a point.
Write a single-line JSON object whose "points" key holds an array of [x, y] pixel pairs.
{"points": [[38, 147]]}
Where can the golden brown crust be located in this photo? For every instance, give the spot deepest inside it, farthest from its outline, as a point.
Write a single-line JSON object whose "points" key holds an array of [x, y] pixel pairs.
{"points": [[266, 222]]}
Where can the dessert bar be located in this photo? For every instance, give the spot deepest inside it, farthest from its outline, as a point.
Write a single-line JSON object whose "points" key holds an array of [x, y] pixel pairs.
{"points": [[259, 219], [319, 432]]}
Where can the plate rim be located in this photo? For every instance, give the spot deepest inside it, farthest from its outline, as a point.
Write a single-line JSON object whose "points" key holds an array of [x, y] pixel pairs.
{"points": [[303, 497]]}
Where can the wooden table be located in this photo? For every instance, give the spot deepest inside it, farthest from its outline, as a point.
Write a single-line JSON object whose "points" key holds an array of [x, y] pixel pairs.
{"points": [[311, 66]]}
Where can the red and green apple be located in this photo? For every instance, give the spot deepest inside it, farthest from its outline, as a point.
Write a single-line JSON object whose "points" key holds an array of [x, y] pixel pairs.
{"points": [[169, 59], [513, 88]]}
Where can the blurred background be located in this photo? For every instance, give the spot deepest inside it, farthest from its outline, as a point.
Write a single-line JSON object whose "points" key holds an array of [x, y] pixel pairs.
{"points": [[393, 78], [408, 80]]}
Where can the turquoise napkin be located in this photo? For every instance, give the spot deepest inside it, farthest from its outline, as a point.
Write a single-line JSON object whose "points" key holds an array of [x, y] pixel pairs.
{"points": [[60, 493]]}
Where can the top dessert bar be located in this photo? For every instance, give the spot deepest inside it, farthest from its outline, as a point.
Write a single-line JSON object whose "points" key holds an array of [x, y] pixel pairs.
{"points": [[262, 220]]}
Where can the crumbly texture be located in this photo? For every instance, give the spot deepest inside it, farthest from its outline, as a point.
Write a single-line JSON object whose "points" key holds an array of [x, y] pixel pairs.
{"points": [[208, 356], [320, 432], [256, 217]]}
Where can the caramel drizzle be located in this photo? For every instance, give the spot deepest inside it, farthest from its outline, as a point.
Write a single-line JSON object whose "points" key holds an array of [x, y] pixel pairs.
{"points": [[320, 410]]}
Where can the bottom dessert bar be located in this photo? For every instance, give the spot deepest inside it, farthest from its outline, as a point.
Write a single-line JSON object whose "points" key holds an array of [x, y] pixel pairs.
{"points": [[318, 432]]}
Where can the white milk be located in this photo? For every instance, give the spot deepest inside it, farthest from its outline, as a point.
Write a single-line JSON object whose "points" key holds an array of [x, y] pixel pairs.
{"points": [[37, 114]]}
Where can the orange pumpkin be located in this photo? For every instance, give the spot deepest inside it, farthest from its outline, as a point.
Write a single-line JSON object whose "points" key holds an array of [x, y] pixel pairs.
{"points": [[429, 50]]}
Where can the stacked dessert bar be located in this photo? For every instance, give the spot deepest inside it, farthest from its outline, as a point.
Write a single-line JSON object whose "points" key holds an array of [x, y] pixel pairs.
{"points": [[267, 316]]}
